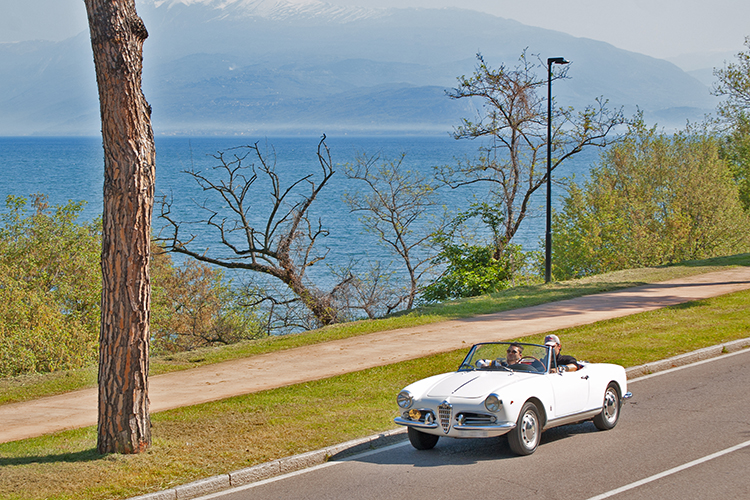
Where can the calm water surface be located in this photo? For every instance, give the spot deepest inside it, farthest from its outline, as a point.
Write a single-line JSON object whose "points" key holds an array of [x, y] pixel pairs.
{"points": [[66, 168]]}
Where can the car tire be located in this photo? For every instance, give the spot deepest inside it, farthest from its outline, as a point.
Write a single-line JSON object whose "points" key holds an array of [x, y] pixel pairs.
{"points": [[525, 437], [610, 413], [421, 440]]}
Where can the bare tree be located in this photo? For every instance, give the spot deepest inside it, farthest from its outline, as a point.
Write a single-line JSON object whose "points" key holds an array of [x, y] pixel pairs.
{"points": [[281, 245], [515, 122], [394, 207], [117, 36], [373, 290]]}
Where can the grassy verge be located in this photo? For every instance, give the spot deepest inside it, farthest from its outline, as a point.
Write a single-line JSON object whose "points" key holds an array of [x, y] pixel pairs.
{"points": [[204, 440], [34, 386]]}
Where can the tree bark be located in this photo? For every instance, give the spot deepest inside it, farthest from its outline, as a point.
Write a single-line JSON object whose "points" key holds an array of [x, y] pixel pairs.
{"points": [[117, 35]]}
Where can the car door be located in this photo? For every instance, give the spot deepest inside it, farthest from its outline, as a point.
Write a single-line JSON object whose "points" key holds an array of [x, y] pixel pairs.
{"points": [[570, 392]]}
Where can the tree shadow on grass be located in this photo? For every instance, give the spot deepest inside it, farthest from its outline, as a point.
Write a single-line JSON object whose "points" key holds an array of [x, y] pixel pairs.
{"points": [[89, 455]]}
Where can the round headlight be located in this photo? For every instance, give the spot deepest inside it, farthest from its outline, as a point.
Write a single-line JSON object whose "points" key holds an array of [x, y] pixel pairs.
{"points": [[493, 403], [404, 399]]}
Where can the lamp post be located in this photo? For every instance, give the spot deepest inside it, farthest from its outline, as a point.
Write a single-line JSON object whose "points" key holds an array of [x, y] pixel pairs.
{"points": [[548, 234]]}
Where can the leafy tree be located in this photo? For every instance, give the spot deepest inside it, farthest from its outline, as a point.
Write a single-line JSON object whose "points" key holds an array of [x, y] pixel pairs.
{"points": [[471, 270], [49, 285], [654, 199], [733, 82], [394, 206], [512, 163], [735, 149], [472, 266]]}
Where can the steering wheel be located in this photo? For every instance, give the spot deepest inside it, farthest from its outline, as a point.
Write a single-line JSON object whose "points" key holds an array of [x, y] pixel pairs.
{"points": [[535, 362]]}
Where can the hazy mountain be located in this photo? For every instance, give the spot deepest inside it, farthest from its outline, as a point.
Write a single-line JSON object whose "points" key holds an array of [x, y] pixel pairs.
{"points": [[268, 66]]}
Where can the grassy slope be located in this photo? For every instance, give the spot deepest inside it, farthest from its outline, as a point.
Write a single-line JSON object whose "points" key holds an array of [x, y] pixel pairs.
{"points": [[203, 440]]}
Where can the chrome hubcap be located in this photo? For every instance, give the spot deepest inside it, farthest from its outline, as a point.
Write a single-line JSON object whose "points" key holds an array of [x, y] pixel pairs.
{"points": [[610, 405], [529, 429]]}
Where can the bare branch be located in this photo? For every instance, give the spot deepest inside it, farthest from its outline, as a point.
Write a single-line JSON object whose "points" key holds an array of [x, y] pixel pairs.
{"points": [[515, 125], [282, 244]]}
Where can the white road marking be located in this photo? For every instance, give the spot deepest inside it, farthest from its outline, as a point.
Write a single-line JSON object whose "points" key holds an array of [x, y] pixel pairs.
{"points": [[675, 470], [690, 365]]}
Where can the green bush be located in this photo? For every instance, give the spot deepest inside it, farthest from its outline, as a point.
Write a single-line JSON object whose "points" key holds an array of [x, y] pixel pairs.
{"points": [[193, 306], [49, 287], [471, 270]]}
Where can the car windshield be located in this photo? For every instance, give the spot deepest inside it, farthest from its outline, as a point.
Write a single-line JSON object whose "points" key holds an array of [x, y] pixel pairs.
{"points": [[507, 356]]}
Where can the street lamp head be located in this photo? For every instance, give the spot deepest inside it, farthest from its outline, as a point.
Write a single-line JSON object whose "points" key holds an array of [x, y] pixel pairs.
{"points": [[557, 60]]}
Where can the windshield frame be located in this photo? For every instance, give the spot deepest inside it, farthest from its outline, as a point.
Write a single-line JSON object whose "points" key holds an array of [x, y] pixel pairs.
{"points": [[492, 357]]}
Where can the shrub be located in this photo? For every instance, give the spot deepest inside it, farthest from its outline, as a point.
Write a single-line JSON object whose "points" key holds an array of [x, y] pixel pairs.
{"points": [[49, 287], [193, 306]]}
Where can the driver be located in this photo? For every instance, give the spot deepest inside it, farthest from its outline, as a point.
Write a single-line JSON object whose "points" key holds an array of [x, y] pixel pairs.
{"points": [[514, 353], [563, 361]]}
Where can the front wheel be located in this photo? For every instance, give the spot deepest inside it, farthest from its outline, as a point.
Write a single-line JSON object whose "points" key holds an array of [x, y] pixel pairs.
{"points": [[525, 437], [610, 413], [421, 440]]}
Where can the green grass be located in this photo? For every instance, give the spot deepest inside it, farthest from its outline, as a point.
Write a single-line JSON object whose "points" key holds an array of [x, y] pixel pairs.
{"points": [[204, 440], [28, 387]]}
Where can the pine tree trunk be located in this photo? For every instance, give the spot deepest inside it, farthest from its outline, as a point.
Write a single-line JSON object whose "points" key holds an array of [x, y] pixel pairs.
{"points": [[117, 35]]}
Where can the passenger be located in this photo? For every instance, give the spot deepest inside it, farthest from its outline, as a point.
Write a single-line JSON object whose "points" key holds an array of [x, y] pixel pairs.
{"points": [[562, 361]]}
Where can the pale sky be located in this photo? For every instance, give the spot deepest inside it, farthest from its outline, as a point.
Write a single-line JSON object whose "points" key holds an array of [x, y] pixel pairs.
{"points": [[659, 28]]}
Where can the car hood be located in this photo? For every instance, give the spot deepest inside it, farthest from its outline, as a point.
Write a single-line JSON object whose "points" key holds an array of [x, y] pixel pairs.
{"points": [[474, 384]]}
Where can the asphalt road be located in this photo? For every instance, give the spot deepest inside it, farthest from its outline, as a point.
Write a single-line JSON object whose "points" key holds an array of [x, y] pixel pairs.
{"points": [[685, 434]]}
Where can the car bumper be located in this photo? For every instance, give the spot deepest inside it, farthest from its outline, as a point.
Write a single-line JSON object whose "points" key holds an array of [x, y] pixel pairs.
{"points": [[459, 431]]}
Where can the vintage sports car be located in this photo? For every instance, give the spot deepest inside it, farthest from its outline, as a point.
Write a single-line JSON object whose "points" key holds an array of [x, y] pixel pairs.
{"points": [[514, 389]]}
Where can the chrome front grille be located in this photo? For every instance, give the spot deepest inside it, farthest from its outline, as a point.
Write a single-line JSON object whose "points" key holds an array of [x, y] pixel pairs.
{"points": [[445, 411]]}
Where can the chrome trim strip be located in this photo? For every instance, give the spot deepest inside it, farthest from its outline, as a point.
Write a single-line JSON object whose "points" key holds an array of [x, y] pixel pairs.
{"points": [[569, 419], [414, 423], [496, 427], [464, 384]]}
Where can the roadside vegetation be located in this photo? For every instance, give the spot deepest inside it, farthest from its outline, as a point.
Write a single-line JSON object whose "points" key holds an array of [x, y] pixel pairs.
{"points": [[50, 285]]}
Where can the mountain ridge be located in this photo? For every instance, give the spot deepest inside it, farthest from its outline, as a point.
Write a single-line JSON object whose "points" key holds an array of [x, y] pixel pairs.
{"points": [[257, 65]]}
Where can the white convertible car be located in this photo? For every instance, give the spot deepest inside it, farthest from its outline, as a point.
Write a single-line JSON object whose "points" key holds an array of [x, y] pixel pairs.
{"points": [[495, 393]]}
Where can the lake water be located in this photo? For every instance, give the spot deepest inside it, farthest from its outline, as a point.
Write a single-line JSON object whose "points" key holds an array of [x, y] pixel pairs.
{"points": [[65, 168]]}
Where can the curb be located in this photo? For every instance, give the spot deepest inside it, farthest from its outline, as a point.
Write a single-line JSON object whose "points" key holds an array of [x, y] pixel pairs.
{"points": [[687, 358], [276, 468], [337, 452]]}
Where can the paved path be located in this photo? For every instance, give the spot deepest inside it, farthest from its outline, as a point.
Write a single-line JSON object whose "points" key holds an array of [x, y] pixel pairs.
{"points": [[267, 371]]}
